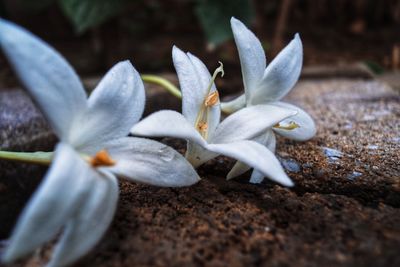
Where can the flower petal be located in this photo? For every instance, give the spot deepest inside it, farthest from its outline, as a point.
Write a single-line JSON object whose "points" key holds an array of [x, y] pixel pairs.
{"points": [[167, 123], [150, 162], [281, 74], [60, 194], [197, 155], [307, 129], [256, 156], [114, 107], [270, 142], [93, 219], [238, 169], [194, 79], [47, 76], [252, 56], [256, 177], [250, 122], [234, 105], [192, 84], [267, 139], [173, 124]]}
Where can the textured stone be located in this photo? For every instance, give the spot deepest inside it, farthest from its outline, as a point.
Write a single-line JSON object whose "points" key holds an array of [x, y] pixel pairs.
{"points": [[21, 125], [22, 128]]}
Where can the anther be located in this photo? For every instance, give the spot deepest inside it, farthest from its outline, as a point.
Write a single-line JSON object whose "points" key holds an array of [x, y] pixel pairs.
{"points": [[212, 99], [202, 126], [102, 158], [290, 126]]}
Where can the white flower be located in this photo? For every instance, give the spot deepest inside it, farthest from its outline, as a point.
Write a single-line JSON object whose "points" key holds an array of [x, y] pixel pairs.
{"points": [[76, 197], [200, 123], [267, 85]]}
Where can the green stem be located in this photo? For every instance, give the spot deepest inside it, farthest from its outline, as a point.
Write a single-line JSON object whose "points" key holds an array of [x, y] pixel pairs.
{"points": [[172, 89], [43, 158]]}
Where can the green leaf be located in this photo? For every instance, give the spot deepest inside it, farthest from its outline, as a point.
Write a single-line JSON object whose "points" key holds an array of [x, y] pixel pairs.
{"points": [[85, 14], [374, 67], [215, 15]]}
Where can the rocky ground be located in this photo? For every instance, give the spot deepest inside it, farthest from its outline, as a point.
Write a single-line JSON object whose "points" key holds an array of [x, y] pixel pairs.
{"points": [[343, 211]]}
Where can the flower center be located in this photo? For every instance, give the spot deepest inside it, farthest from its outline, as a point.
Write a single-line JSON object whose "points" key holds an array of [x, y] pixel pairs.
{"points": [[210, 100], [290, 126], [102, 158]]}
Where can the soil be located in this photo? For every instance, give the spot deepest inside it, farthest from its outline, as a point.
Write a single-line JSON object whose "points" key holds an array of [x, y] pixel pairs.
{"points": [[343, 211]]}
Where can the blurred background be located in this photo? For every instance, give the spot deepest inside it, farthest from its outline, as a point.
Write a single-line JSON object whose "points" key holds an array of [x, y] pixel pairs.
{"points": [[94, 34]]}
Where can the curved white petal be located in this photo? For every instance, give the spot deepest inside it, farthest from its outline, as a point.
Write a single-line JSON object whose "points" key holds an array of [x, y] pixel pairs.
{"points": [[250, 122], [47, 76], [234, 105], [307, 129], [238, 169], [256, 177], [255, 155], [194, 79], [92, 220], [150, 162], [167, 123], [281, 74], [197, 155], [252, 56], [61, 193], [267, 139], [114, 107]]}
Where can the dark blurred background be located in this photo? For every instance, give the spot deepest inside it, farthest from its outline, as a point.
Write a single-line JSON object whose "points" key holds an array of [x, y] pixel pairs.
{"points": [[94, 34]]}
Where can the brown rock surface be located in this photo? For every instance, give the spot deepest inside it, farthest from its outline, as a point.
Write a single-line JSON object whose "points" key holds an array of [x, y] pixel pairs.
{"points": [[22, 128], [343, 211]]}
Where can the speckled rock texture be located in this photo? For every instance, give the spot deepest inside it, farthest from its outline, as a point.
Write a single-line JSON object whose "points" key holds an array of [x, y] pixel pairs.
{"points": [[22, 128], [21, 125], [343, 211]]}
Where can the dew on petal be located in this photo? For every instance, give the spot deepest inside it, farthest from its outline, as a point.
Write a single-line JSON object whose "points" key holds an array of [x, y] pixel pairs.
{"points": [[166, 153]]}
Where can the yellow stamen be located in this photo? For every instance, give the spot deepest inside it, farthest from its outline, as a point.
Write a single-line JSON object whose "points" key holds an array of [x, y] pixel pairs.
{"points": [[291, 126], [212, 99], [102, 158], [202, 126]]}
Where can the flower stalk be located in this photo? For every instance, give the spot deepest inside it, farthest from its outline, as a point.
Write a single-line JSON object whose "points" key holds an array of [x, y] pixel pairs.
{"points": [[42, 158], [171, 88]]}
